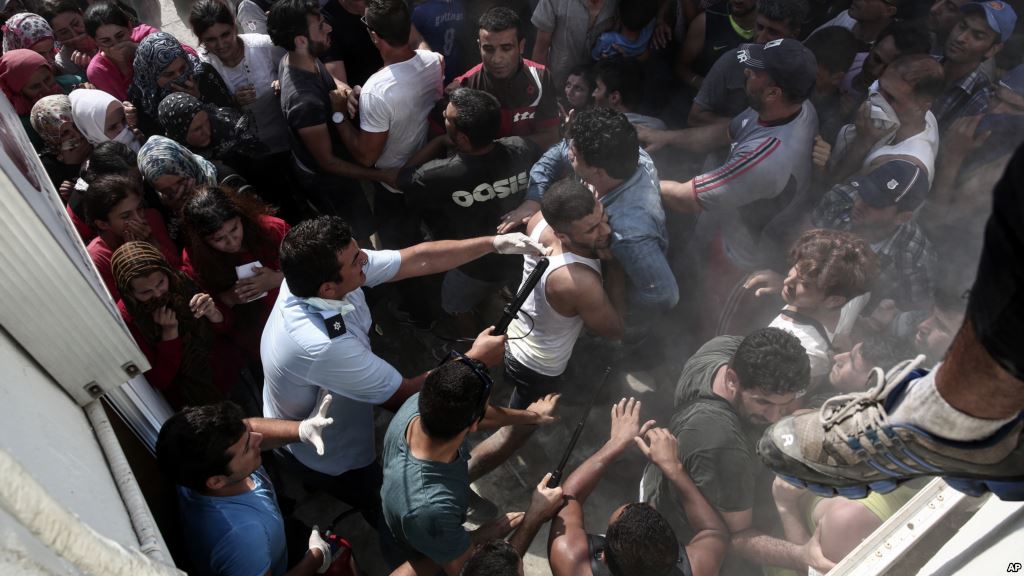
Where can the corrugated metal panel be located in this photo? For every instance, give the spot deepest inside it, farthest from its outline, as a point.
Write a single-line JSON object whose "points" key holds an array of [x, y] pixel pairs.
{"points": [[54, 302]]}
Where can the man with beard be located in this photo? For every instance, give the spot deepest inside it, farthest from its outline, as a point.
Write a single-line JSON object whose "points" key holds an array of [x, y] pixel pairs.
{"points": [[313, 107], [728, 392], [712, 34], [605, 154], [879, 206], [569, 296], [751, 205]]}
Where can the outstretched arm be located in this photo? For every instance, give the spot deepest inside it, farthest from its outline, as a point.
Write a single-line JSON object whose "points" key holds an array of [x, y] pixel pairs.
{"points": [[432, 257], [567, 542]]}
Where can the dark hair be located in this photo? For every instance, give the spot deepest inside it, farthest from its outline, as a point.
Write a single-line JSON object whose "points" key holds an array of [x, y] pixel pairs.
{"points": [[792, 13], [205, 14], [640, 543], [104, 192], [773, 360], [104, 13], [922, 72], [910, 37], [309, 254], [586, 72], [203, 214], [834, 47], [623, 77], [193, 444], [499, 19], [636, 14], [567, 201], [389, 19], [838, 263], [50, 9], [605, 139], [495, 558], [287, 20], [111, 158], [478, 115], [450, 398], [885, 351]]}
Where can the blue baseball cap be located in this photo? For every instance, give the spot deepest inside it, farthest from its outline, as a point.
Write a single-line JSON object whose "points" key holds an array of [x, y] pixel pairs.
{"points": [[899, 183], [1000, 16]]}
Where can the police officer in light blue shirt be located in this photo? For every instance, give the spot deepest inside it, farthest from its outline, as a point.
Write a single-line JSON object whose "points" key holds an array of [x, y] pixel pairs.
{"points": [[317, 341]]}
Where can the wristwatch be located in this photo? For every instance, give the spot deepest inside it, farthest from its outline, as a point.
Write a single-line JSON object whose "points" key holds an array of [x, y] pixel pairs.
{"points": [[337, 117]]}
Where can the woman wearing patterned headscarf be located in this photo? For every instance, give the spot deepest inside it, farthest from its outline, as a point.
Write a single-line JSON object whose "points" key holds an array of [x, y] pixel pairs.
{"points": [[173, 324], [33, 32], [216, 133], [175, 173], [163, 67], [65, 147]]}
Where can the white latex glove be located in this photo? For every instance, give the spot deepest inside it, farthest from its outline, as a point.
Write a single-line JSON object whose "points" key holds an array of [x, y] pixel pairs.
{"points": [[519, 243], [311, 429], [315, 541]]}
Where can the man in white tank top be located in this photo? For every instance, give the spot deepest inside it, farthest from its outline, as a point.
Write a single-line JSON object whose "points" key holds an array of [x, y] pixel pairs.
{"points": [[569, 296]]}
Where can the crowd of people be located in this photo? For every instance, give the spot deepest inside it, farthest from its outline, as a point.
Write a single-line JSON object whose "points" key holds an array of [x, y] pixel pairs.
{"points": [[776, 202]]}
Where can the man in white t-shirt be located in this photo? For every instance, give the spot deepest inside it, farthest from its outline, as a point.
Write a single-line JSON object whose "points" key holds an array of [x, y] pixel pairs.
{"points": [[825, 290], [393, 106], [316, 340], [895, 122]]}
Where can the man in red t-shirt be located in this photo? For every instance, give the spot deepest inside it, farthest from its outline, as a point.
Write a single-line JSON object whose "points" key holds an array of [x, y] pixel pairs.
{"points": [[524, 88]]}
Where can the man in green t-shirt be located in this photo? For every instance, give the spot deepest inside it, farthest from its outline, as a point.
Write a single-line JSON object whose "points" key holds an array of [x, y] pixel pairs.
{"points": [[425, 494], [729, 391]]}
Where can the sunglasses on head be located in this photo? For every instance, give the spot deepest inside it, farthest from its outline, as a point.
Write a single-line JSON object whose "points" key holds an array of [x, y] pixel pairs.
{"points": [[485, 380]]}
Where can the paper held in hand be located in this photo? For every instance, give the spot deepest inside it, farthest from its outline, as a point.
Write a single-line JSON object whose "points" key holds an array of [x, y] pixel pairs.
{"points": [[248, 271]]}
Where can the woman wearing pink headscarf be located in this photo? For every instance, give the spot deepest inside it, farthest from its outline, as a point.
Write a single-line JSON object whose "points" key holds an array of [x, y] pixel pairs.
{"points": [[25, 77], [33, 32]]}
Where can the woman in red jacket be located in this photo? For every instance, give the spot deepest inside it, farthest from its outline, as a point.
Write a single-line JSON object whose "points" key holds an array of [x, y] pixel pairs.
{"points": [[232, 243], [176, 326]]}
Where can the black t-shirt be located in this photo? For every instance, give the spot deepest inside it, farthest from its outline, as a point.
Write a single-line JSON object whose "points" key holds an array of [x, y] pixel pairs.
{"points": [[719, 37], [465, 196], [351, 43], [305, 102]]}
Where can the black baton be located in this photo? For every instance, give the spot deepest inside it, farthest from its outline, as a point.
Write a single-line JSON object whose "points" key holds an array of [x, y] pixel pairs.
{"points": [[512, 308], [556, 476]]}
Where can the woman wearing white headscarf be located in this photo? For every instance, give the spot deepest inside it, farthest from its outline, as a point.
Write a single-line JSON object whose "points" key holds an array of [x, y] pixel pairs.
{"points": [[101, 118]]}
